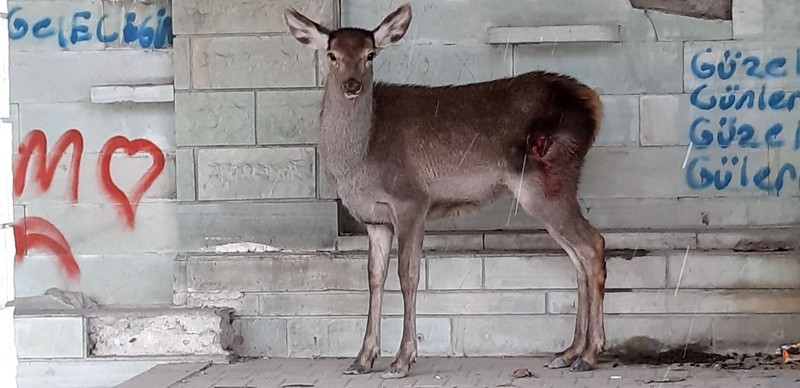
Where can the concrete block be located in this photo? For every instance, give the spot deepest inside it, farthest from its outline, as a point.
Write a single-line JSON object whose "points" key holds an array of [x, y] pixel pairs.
{"points": [[7, 276], [85, 373], [308, 225], [251, 62], [620, 126], [342, 337], [552, 34], [433, 242], [428, 303], [520, 241], [222, 118], [181, 56], [276, 273], [50, 337], [136, 94], [256, 173], [163, 332], [454, 273], [110, 279], [75, 16], [242, 303], [618, 68], [511, 335], [680, 28], [185, 175], [748, 239], [637, 27], [5, 75], [76, 73], [551, 271], [324, 189], [731, 332], [438, 65], [154, 122], [467, 22], [710, 270], [10, 357], [704, 55], [244, 16], [656, 333], [125, 171], [614, 240], [393, 279], [684, 302], [261, 337], [180, 284], [288, 116], [659, 172], [768, 19], [102, 230]]}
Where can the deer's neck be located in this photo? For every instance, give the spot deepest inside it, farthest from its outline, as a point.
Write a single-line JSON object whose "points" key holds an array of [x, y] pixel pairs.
{"points": [[344, 129]]}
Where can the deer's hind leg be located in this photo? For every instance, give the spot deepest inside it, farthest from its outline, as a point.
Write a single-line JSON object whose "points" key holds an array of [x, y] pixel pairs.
{"points": [[560, 212]]}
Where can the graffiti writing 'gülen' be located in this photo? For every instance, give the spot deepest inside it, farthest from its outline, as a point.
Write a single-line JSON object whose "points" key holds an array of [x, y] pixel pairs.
{"points": [[38, 233], [731, 132], [151, 31]]}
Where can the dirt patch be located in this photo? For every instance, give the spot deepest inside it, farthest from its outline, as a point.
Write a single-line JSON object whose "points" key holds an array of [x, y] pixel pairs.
{"points": [[695, 358]]}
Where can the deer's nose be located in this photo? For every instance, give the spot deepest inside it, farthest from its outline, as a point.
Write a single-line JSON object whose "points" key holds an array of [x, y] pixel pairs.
{"points": [[351, 87]]}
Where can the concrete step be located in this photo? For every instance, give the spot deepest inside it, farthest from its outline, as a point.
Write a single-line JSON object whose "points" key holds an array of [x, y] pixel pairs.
{"points": [[500, 303], [47, 330]]}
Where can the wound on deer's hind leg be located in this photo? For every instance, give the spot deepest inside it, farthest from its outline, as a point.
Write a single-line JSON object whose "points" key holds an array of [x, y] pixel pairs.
{"points": [[539, 145]]}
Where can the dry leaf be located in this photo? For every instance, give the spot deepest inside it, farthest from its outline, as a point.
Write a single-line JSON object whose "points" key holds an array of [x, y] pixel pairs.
{"points": [[522, 373]]}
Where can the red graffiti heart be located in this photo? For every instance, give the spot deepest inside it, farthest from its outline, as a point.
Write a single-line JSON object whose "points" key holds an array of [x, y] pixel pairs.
{"points": [[129, 202]]}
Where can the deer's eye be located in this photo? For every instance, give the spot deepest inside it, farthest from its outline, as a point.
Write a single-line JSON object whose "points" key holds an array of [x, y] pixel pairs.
{"points": [[332, 57], [370, 56]]}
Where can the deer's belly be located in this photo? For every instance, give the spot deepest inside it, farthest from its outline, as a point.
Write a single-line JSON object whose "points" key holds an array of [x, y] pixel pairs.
{"points": [[366, 210]]}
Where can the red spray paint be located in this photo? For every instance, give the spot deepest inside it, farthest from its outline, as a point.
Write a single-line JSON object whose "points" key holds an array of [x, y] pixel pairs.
{"points": [[37, 233], [46, 163]]}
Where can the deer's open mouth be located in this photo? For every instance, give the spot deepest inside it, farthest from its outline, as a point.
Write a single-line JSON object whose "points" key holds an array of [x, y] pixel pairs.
{"points": [[351, 96]]}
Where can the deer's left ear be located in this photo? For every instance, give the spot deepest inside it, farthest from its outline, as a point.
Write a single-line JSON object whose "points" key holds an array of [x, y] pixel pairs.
{"points": [[307, 32], [393, 28]]}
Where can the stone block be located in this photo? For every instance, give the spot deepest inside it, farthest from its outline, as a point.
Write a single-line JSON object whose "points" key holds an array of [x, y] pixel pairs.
{"points": [[185, 175], [7, 269], [467, 22], [680, 28], [432, 242], [288, 116], [656, 333], [556, 271], [76, 73], [768, 19], [144, 278], [244, 16], [342, 337], [221, 118], [618, 68], [5, 77], [710, 270], [101, 229], [50, 337], [308, 225], [75, 16], [261, 337], [115, 94], [181, 55], [684, 302], [437, 65], [520, 241], [749, 239], [552, 34], [125, 172], [276, 273], [511, 335], [180, 284], [700, 57], [162, 332], [256, 173], [324, 189], [233, 62], [731, 333], [393, 279], [99, 123], [620, 126], [243, 304], [454, 273]]}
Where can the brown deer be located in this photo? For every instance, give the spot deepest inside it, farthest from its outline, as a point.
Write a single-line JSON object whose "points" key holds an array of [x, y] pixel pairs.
{"points": [[398, 155]]}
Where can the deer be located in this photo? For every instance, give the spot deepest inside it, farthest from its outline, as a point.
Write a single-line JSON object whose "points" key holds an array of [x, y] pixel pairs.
{"points": [[399, 155]]}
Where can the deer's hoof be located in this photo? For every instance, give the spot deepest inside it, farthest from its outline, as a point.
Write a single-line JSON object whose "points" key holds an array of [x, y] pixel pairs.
{"points": [[394, 373], [580, 365], [558, 362], [356, 369]]}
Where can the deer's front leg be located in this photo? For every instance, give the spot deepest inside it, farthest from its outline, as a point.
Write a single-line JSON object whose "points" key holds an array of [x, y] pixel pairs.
{"points": [[410, 227], [380, 243]]}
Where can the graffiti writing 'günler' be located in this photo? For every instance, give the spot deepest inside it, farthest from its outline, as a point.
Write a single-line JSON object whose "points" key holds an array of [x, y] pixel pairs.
{"points": [[151, 31], [720, 172]]}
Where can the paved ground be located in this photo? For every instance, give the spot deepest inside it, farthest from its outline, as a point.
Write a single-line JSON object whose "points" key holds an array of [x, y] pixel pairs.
{"points": [[480, 372]]}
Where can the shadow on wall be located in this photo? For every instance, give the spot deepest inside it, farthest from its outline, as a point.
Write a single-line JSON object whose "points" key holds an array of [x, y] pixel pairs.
{"points": [[704, 9]]}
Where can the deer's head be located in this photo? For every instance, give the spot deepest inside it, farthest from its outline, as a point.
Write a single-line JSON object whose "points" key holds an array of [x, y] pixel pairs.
{"points": [[350, 51]]}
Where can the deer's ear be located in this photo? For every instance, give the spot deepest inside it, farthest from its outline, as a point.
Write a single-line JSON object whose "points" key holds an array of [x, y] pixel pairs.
{"points": [[394, 27], [307, 32]]}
